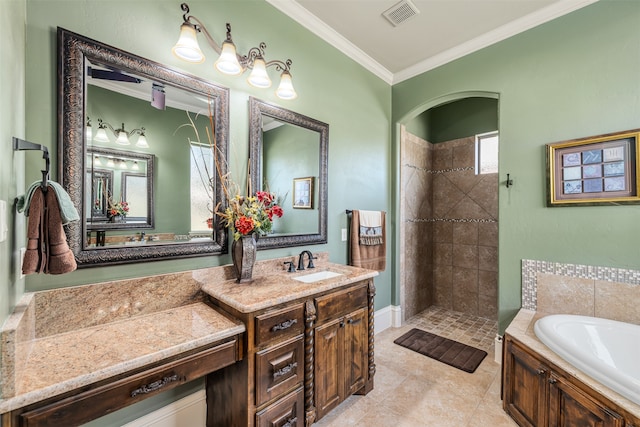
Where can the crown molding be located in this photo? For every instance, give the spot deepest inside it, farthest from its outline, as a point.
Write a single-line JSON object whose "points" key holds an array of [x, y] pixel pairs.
{"points": [[295, 11], [305, 18]]}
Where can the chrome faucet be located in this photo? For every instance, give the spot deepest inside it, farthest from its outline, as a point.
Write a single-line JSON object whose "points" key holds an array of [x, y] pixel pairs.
{"points": [[301, 260]]}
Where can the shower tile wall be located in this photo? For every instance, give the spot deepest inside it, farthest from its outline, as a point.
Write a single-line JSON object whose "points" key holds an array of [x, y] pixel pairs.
{"points": [[449, 250], [416, 261], [465, 210]]}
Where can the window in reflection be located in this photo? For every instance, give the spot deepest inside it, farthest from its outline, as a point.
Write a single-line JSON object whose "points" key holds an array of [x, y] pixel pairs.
{"points": [[201, 184]]}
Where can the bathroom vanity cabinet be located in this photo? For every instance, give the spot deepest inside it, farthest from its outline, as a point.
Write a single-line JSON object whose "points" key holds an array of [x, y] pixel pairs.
{"points": [[303, 357], [96, 400], [538, 393]]}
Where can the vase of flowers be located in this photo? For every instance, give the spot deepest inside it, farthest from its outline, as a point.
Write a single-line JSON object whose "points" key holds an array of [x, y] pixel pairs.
{"points": [[117, 211], [248, 218]]}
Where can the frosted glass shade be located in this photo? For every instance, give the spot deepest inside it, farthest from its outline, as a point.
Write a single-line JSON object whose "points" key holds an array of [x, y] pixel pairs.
{"points": [[259, 77], [142, 141], [228, 63], [101, 136], [187, 47], [286, 90], [122, 139]]}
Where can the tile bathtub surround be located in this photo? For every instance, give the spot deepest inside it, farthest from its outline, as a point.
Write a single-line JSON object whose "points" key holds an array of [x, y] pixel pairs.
{"points": [[522, 328], [610, 293]]}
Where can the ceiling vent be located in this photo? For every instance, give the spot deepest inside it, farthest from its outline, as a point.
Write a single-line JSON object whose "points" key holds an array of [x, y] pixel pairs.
{"points": [[400, 12]]}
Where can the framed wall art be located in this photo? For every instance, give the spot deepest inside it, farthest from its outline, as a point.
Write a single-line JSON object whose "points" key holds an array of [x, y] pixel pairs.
{"points": [[594, 171], [303, 193]]}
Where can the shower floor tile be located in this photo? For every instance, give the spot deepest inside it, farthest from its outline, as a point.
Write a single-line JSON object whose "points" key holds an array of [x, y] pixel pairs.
{"points": [[414, 390]]}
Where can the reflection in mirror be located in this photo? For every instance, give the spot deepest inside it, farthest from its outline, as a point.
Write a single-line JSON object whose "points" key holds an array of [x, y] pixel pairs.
{"points": [[288, 148], [116, 176], [163, 114]]}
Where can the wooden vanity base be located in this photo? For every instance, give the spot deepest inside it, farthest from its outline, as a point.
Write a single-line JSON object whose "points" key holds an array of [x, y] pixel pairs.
{"points": [[304, 357]]}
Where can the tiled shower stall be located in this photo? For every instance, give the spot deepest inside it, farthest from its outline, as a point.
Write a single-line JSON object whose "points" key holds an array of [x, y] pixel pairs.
{"points": [[449, 229]]}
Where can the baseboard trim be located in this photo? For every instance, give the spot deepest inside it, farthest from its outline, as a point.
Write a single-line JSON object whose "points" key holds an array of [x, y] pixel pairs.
{"points": [[387, 317], [190, 409]]}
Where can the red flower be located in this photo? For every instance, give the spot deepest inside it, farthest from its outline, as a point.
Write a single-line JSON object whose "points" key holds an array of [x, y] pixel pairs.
{"points": [[277, 211], [264, 197], [244, 225]]}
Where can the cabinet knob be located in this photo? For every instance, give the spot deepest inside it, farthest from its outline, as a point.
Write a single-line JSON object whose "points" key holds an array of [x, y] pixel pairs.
{"points": [[552, 380], [342, 324], [541, 371]]}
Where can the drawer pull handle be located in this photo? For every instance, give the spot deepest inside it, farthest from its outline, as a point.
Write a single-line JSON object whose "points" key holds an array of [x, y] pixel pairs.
{"points": [[541, 371], [353, 322], [285, 370], [552, 380], [284, 325], [156, 385], [291, 422]]}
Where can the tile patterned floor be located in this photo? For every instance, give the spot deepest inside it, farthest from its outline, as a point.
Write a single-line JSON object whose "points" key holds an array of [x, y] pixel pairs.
{"points": [[412, 390]]}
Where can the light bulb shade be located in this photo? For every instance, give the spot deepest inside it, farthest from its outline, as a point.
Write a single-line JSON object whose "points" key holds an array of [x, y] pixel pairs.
{"points": [[187, 47], [122, 139], [96, 161], [142, 141], [110, 162], [101, 136], [88, 133], [123, 164], [285, 89], [135, 166], [228, 63], [259, 77]]}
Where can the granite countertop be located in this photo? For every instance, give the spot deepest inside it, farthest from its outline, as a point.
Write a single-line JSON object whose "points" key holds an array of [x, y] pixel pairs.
{"points": [[267, 290], [63, 362], [521, 328]]}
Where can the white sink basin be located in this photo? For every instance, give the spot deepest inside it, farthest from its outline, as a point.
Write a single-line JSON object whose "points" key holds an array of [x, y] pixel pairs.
{"points": [[316, 277]]}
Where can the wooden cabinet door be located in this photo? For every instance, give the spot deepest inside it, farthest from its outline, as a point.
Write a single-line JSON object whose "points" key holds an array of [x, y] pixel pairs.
{"points": [[329, 360], [568, 406], [525, 386], [355, 351]]}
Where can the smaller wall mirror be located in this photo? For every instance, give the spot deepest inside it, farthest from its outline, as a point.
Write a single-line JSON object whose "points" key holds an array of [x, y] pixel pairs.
{"points": [[115, 177], [289, 157]]}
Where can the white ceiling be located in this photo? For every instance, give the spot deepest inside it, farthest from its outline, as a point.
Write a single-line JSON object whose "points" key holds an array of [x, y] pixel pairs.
{"points": [[442, 31]]}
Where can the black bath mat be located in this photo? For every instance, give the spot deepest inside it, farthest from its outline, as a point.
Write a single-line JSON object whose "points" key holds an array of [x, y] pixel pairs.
{"points": [[447, 351]]}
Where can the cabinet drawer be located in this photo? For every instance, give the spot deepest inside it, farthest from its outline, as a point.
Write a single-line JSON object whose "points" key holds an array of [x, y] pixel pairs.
{"points": [[288, 411], [86, 406], [281, 323], [340, 303], [279, 369]]}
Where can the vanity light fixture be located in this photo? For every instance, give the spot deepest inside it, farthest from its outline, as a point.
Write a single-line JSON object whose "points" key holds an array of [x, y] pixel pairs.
{"points": [[230, 62], [96, 161], [110, 162], [135, 166], [122, 136]]}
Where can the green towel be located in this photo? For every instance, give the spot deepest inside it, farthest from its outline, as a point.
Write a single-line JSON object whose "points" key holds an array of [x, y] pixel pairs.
{"points": [[68, 211]]}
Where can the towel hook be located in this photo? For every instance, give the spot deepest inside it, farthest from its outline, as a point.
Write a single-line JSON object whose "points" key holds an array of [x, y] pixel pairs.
{"points": [[21, 145], [509, 181]]}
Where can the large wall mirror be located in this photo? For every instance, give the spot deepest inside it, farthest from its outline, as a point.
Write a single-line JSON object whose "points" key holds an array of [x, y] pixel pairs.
{"points": [[137, 146], [289, 156]]}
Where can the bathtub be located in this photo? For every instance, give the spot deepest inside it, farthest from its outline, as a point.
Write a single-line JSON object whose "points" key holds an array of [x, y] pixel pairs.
{"points": [[604, 349]]}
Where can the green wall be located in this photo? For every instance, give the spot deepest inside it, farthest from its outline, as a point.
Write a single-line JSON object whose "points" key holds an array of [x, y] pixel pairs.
{"points": [[291, 152], [12, 124], [331, 87], [573, 77], [457, 119]]}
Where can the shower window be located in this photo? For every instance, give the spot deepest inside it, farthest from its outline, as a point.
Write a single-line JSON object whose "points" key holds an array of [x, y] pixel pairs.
{"points": [[487, 153]]}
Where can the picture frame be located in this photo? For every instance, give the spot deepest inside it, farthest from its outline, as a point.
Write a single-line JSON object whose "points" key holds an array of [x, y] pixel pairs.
{"points": [[303, 193], [598, 170]]}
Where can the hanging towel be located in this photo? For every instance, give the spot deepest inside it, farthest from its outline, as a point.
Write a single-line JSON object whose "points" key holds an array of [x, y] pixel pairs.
{"points": [[373, 257], [68, 211], [371, 228], [47, 249]]}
